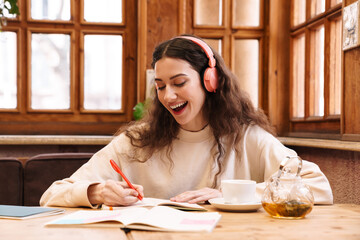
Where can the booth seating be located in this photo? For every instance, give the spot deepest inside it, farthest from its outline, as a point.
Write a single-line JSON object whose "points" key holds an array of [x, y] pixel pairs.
{"points": [[24, 185], [11, 181], [42, 170]]}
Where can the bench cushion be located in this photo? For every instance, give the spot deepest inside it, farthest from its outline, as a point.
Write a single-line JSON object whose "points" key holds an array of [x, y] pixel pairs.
{"points": [[42, 170], [11, 181]]}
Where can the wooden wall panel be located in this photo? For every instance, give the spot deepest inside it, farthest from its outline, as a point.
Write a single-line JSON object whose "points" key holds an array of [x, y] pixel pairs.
{"points": [[351, 92], [158, 21], [162, 21], [279, 64]]}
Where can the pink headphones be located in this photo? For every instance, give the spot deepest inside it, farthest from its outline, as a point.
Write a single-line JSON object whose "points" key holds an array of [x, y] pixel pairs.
{"points": [[210, 74]]}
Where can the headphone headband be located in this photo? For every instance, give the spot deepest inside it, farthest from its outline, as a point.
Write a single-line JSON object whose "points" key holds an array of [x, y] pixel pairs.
{"points": [[210, 74], [209, 53]]}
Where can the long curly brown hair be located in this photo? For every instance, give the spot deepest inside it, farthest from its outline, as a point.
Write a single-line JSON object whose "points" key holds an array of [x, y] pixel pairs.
{"points": [[229, 110]]}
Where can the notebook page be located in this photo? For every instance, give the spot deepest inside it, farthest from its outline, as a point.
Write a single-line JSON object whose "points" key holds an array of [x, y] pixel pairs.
{"points": [[152, 202], [167, 218], [124, 216]]}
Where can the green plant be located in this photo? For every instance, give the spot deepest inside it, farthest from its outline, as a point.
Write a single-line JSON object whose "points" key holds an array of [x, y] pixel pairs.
{"points": [[140, 109], [7, 7]]}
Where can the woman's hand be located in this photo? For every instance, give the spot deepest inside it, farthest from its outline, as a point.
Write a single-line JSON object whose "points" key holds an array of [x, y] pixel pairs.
{"points": [[114, 193], [196, 196]]}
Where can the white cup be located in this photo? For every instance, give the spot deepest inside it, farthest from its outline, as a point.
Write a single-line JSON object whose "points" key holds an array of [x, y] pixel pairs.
{"points": [[238, 191]]}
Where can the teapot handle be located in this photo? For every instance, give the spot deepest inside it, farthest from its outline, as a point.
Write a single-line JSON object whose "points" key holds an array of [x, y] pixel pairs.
{"points": [[283, 162]]}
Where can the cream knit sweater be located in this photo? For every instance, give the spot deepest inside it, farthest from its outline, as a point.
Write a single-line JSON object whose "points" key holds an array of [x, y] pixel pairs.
{"points": [[193, 168]]}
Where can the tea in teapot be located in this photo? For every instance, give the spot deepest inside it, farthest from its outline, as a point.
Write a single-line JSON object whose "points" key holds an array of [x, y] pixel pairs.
{"points": [[285, 195]]}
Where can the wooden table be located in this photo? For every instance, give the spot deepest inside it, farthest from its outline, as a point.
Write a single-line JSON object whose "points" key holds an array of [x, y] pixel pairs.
{"points": [[341, 221]]}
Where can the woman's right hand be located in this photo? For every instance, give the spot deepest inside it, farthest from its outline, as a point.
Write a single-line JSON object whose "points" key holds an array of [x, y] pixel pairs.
{"points": [[113, 193]]}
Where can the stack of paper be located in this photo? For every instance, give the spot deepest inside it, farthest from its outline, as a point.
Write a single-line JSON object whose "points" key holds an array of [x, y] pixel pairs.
{"points": [[23, 212]]}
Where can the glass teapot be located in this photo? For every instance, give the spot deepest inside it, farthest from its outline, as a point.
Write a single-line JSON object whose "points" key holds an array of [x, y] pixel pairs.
{"points": [[285, 195]]}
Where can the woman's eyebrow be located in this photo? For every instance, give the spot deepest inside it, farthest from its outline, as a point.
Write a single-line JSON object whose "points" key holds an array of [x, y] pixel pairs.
{"points": [[178, 75], [171, 78]]}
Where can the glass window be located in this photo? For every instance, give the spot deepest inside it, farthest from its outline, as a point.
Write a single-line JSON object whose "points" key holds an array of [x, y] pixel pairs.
{"points": [[334, 2], [208, 12], [246, 13], [5, 12], [246, 66], [103, 56], [50, 71], [316, 7], [335, 68], [109, 11], [61, 75], [316, 68], [316, 72], [214, 44], [50, 9], [237, 36], [298, 76], [298, 12], [8, 59]]}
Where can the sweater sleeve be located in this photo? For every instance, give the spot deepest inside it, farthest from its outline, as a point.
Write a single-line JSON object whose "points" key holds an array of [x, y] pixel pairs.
{"points": [[72, 191], [270, 154]]}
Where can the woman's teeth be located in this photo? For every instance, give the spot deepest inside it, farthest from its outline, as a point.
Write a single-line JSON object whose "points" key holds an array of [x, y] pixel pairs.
{"points": [[178, 107]]}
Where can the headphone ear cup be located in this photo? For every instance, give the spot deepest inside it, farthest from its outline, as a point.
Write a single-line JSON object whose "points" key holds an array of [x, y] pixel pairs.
{"points": [[211, 79]]}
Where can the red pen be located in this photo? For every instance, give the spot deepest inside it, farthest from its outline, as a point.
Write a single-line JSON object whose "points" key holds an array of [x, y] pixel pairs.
{"points": [[118, 170]]}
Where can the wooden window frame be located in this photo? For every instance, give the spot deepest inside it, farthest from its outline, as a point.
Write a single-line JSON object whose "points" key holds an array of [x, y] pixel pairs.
{"points": [[228, 33], [253, 35], [261, 22], [327, 126], [70, 32], [82, 66], [75, 120], [19, 62]]}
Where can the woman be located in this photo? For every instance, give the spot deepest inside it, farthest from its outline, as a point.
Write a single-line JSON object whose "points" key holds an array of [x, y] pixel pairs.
{"points": [[201, 128]]}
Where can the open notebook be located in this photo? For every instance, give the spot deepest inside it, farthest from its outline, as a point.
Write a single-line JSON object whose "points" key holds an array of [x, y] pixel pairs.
{"points": [[159, 218], [152, 202], [25, 212]]}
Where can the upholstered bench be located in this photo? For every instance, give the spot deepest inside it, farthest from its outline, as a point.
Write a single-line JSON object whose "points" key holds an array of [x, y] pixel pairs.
{"points": [[11, 181], [42, 170]]}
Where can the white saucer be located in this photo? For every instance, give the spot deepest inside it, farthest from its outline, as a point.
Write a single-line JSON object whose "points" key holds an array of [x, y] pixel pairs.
{"points": [[244, 207]]}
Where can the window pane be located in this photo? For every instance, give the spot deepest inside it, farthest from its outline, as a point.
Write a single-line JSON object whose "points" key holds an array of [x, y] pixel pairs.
{"points": [[335, 67], [50, 71], [103, 11], [298, 76], [246, 13], [298, 12], [8, 53], [317, 7], [5, 11], [246, 66], [50, 9], [208, 12], [214, 44], [316, 72], [334, 2], [103, 72]]}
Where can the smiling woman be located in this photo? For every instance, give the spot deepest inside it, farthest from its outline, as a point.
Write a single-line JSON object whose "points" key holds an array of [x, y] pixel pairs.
{"points": [[180, 91], [192, 137]]}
